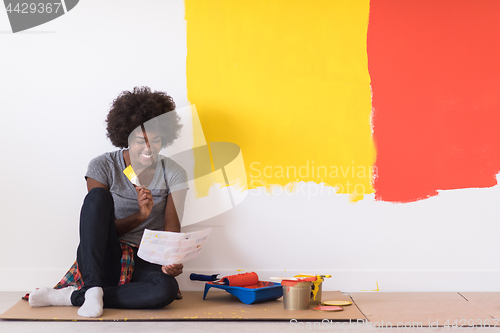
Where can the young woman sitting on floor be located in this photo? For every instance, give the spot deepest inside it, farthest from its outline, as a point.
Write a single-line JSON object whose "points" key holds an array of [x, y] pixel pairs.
{"points": [[107, 272]]}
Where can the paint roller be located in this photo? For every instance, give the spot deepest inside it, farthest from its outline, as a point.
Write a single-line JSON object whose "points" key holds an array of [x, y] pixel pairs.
{"points": [[238, 280]]}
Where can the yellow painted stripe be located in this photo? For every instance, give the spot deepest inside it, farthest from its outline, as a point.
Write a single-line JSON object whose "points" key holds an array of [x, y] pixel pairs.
{"points": [[288, 82]]}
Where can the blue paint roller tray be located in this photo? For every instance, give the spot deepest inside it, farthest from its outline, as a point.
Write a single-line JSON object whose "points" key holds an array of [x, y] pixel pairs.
{"points": [[261, 292]]}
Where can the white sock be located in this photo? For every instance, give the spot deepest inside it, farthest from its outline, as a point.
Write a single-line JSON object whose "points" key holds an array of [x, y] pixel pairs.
{"points": [[92, 307], [48, 297]]}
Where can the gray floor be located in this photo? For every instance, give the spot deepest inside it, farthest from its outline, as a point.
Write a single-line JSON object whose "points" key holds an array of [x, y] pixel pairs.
{"points": [[8, 299]]}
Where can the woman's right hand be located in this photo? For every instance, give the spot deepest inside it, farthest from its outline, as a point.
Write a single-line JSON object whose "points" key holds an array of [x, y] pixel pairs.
{"points": [[145, 200]]}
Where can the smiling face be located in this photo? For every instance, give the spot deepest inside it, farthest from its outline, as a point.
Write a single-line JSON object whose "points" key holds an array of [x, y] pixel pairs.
{"points": [[144, 147]]}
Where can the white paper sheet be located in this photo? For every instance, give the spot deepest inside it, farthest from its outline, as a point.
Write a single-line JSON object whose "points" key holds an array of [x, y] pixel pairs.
{"points": [[166, 248]]}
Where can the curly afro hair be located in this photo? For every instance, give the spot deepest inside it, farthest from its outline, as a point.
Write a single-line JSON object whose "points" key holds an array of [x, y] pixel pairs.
{"points": [[132, 109]]}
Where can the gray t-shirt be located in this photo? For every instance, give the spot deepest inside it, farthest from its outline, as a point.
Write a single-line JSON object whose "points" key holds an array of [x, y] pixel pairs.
{"points": [[108, 170]]}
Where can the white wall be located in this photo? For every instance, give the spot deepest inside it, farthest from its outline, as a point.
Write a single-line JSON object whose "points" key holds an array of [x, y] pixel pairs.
{"points": [[57, 81]]}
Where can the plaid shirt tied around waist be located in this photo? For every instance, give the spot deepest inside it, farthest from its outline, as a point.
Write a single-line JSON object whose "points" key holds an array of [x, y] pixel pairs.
{"points": [[74, 278]]}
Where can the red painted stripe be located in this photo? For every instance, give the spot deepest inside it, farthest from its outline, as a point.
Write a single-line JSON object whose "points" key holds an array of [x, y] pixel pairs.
{"points": [[435, 72]]}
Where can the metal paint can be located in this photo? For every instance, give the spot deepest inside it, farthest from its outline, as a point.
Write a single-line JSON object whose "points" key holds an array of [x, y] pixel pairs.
{"points": [[296, 295], [316, 289]]}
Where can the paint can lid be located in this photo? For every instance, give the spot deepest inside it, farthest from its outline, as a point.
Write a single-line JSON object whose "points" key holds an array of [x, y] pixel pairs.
{"points": [[327, 308]]}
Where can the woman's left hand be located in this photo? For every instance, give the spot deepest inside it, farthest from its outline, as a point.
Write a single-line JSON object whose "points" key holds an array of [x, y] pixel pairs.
{"points": [[172, 270]]}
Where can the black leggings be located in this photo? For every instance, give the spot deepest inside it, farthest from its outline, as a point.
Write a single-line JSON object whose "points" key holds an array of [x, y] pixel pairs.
{"points": [[99, 255]]}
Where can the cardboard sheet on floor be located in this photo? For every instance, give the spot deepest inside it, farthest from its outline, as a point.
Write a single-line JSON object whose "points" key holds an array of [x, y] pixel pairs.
{"points": [[419, 309], [218, 305], [486, 301]]}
